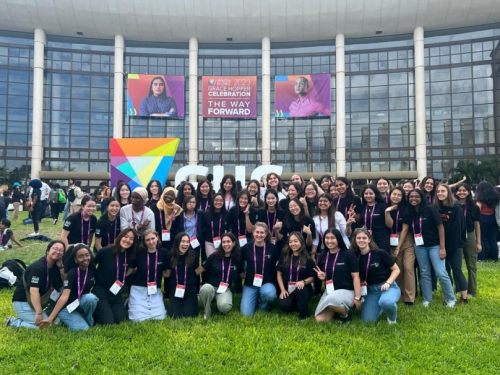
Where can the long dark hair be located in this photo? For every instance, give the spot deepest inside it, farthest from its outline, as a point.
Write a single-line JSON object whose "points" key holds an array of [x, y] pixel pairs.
{"points": [[422, 184], [240, 194], [280, 184], [486, 193], [469, 202], [298, 187], [86, 199], [349, 194], [235, 252], [288, 253], [132, 250], [290, 218], [272, 192], [175, 254], [331, 210], [70, 254], [179, 199], [223, 208], [164, 93], [187, 198], [423, 201], [315, 199], [257, 195], [148, 188], [117, 192], [199, 196], [372, 187], [104, 216], [404, 203], [234, 189], [338, 236]]}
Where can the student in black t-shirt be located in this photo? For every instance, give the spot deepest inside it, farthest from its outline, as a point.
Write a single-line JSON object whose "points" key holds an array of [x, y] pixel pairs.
{"points": [[294, 190], [472, 245], [7, 235], [454, 236], [204, 194], [296, 221], [36, 205], [146, 299], [80, 226], [339, 268], [295, 276], [260, 274], [112, 265], [154, 192], [379, 271], [242, 217], [347, 200], [271, 213], [182, 263], [220, 268], [108, 225], [428, 232], [214, 224], [77, 304], [39, 279]]}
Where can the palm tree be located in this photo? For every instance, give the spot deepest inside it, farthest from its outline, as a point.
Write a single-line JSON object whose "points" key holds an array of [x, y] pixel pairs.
{"points": [[476, 171]]}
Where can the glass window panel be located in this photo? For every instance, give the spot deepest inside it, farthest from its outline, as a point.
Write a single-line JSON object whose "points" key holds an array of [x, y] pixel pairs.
{"points": [[440, 75], [359, 80], [379, 92], [461, 86], [462, 98], [461, 73]]}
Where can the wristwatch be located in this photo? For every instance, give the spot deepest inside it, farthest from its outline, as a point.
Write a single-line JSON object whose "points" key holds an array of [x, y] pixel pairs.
{"points": [[357, 298]]}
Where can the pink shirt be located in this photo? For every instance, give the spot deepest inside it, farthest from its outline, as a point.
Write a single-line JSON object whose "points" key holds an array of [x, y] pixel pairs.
{"points": [[305, 106]]}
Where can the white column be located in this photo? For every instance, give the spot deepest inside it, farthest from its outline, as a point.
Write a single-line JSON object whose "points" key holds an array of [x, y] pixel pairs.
{"points": [[118, 89], [37, 127], [266, 101], [340, 104], [193, 104], [421, 146]]}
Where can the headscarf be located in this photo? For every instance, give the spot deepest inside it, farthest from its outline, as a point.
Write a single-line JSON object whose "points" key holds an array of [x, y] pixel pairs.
{"points": [[142, 192], [168, 208]]}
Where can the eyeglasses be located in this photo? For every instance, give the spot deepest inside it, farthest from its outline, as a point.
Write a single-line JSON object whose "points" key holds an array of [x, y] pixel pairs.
{"points": [[58, 250]]}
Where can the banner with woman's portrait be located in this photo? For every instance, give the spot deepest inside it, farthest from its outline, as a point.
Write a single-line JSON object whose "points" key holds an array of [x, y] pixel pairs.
{"points": [[155, 95]]}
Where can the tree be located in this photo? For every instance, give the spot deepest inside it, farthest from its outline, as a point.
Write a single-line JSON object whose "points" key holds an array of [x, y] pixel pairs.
{"points": [[477, 171]]}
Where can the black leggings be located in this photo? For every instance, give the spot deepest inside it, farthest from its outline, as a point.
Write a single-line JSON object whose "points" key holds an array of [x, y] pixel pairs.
{"points": [[298, 299], [110, 308], [454, 261], [186, 307]]}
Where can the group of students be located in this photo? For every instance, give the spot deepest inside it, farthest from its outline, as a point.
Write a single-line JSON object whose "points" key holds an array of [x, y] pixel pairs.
{"points": [[264, 242]]}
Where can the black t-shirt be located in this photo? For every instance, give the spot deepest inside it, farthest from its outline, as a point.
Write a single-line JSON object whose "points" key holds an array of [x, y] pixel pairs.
{"points": [[346, 264], [380, 266], [151, 202], [298, 227], [270, 218], [304, 270], [36, 277], [36, 192], [73, 224], [471, 216], [107, 230], [71, 282], [454, 227], [209, 221], [188, 281], [6, 236], [16, 196], [430, 220], [141, 262], [397, 218], [106, 273], [4, 202], [343, 207], [203, 204], [271, 257], [237, 221], [161, 223], [213, 267], [373, 217]]}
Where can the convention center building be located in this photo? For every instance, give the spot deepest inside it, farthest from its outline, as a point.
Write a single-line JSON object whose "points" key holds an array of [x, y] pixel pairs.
{"points": [[397, 88]]}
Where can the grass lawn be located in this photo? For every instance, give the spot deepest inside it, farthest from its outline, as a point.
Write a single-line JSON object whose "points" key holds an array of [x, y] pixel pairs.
{"points": [[436, 339]]}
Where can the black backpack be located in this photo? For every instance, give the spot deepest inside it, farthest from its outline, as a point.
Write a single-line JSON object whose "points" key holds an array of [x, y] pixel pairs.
{"points": [[71, 194], [17, 267]]}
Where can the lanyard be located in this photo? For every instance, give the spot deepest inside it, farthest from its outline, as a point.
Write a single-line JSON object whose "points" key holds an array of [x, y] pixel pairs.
{"points": [[263, 258], [78, 290], [133, 216], [177, 275], [229, 202], [397, 222], [371, 216], [271, 228], [171, 219], [156, 265], [118, 267], [367, 265], [228, 271], [413, 225], [88, 234], [47, 264], [321, 227], [337, 208], [296, 272], [334, 262], [195, 224], [212, 224], [114, 234], [206, 205], [465, 212]]}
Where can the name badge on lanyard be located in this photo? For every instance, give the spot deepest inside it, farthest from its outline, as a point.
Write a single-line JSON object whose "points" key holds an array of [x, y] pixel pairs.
{"points": [[273, 240], [194, 242], [364, 289], [257, 280], [73, 306], [394, 241], [165, 235], [152, 288], [224, 284], [329, 287], [242, 240], [54, 295], [180, 290], [216, 242], [222, 287], [419, 240], [116, 287], [291, 286], [329, 283]]}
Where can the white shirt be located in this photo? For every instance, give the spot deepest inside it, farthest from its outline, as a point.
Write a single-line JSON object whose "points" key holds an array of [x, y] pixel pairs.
{"points": [[45, 191], [322, 225], [128, 216]]}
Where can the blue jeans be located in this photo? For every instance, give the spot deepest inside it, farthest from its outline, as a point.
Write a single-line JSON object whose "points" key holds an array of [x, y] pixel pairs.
{"points": [[489, 229], [66, 209], [428, 258], [267, 293], [378, 301], [81, 318], [26, 316]]}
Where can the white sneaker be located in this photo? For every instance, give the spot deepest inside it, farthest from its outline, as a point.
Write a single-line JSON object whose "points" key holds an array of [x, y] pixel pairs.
{"points": [[32, 234], [391, 321], [6, 322], [2, 248], [450, 303], [425, 303]]}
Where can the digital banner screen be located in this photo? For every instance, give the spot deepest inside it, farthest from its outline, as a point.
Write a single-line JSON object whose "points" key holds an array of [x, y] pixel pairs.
{"points": [[302, 95], [155, 95], [227, 96]]}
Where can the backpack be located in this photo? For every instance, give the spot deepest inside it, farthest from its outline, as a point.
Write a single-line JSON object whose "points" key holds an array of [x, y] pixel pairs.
{"points": [[62, 197], [71, 194], [17, 267]]}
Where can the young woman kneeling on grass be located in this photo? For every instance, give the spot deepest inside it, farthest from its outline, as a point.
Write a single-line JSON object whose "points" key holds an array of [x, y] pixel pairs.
{"points": [[260, 256], [220, 268], [76, 305], [112, 262], [379, 271], [182, 263], [295, 275], [146, 298], [339, 268], [34, 293]]}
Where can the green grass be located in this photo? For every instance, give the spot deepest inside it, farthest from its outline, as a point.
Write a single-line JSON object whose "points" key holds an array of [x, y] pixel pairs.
{"points": [[433, 340]]}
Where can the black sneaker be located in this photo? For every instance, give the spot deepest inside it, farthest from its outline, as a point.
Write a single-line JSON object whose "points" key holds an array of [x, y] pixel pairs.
{"points": [[345, 319], [409, 303]]}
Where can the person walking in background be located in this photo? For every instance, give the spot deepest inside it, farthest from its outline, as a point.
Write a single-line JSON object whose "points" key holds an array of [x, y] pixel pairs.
{"points": [[76, 204], [487, 198], [45, 189], [67, 205], [17, 197]]}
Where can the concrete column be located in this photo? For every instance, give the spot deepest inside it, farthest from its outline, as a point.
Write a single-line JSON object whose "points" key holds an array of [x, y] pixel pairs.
{"points": [[193, 104], [118, 89], [266, 101], [37, 126], [420, 131], [340, 103]]}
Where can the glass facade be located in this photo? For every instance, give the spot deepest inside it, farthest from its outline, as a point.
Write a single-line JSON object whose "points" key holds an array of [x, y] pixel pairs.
{"points": [[462, 94]]}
